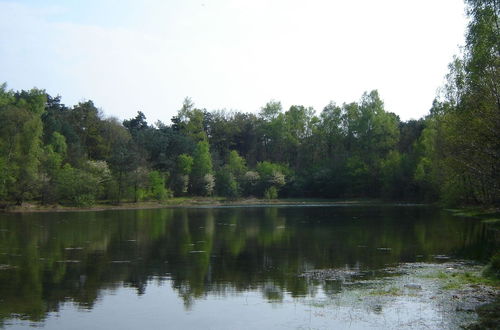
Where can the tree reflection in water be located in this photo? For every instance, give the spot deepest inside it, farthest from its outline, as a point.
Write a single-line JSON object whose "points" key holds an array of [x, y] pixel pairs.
{"points": [[50, 258]]}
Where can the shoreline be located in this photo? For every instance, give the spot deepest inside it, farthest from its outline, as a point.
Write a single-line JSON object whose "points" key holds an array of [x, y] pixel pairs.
{"points": [[34, 207]]}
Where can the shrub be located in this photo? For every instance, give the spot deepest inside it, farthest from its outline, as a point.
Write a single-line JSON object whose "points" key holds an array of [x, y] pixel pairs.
{"points": [[226, 184], [271, 193], [84, 200], [208, 184], [77, 187], [157, 187]]}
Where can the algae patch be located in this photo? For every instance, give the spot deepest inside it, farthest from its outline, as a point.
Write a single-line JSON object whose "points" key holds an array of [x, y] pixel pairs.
{"points": [[415, 295]]}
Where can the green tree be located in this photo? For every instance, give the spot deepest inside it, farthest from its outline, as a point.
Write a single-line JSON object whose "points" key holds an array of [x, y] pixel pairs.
{"points": [[202, 172], [86, 121], [57, 118], [330, 131], [226, 183], [272, 131], [124, 161], [136, 124], [429, 172], [157, 189], [77, 187], [272, 178], [20, 142], [236, 164], [191, 121], [51, 166], [183, 170], [230, 177], [371, 133], [299, 124], [468, 114], [271, 110], [184, 164]]}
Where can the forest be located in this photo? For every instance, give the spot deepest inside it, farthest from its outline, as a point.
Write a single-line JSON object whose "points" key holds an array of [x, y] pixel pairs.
{"points": [[74, 155]]}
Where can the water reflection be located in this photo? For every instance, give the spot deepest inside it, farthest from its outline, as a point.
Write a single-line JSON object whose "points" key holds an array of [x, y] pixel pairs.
{"points": [[49, 259]]}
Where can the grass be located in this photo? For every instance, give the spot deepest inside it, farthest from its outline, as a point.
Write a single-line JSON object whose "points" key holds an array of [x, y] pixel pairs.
{"points": [[459, 280]]}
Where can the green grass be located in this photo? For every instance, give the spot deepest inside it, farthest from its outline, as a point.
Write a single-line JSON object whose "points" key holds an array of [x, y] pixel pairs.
{"points": [[459, 280]]}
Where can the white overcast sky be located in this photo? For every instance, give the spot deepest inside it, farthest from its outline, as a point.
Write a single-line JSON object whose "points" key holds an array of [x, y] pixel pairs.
{"points": [[230, 54]]}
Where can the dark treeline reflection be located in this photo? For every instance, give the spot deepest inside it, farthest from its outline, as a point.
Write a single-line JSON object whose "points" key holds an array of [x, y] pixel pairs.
{"points": [[48, 259]]}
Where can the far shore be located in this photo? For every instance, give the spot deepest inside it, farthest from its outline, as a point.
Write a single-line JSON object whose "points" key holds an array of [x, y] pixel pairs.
{"points": [[183, 202]]}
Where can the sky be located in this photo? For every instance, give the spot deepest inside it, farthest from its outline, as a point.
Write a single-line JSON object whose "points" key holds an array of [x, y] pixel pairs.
{"points": [[237, 55]]}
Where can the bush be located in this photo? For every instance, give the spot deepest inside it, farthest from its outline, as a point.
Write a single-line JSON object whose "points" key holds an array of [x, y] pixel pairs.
{"points": [[84, 200], [77, 187], [157, 187], [271, 178], [180, 184], [208, 184], [493, 268], [141, 194], [271, 193], [250, 182], [227, 185]]}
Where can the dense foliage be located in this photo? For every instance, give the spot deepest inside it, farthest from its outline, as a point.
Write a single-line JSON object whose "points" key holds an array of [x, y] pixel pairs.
{"points": [[74, 155]]}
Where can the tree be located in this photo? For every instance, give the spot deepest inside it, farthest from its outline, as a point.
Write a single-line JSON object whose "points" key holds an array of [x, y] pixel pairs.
{"points": [[226, 184], [20, 142], [57, 118], [469, 113], [330, 130], [230, 176], [202, 173], [51, 165], [86, 121], [371, 133], [136, 124], [160, 145], [272, 130], [299, 123], [124, 161], [191, 121], [271, 178], [77, 187], [271, 110], [234, 131], [114, 135], [250, 182], [183, 170], [236, 164], [157, 189]]}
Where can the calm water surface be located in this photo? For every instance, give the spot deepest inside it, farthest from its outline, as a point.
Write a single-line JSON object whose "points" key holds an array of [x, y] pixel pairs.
{"points": [[221, 268]]}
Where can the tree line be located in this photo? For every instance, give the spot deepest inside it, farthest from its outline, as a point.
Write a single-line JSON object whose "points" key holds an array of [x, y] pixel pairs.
{"points": [[75, 155]]}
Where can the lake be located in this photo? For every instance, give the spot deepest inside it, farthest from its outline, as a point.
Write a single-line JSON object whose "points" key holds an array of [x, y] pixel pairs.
{"points": [[258, 267]]}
